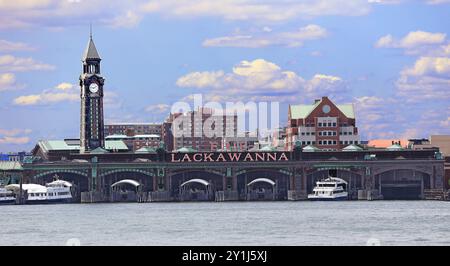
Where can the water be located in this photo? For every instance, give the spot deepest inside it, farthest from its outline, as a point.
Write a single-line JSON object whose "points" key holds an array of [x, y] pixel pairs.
{"points": [[240, 223]]}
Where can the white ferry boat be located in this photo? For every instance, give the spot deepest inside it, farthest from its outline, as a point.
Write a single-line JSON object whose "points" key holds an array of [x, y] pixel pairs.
{"points": [[55, 192], [6, 196], [332, 188]]}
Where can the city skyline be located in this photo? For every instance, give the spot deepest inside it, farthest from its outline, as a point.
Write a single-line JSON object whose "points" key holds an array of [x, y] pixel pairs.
{"points": [[398, 79]]}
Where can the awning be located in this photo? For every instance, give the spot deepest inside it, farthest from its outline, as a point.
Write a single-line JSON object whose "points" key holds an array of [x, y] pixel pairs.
{"points": [[127, 181], [200, 181], [264, 180]]}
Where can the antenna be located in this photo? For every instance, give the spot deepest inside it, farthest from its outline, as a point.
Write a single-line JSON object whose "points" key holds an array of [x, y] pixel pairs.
{"points": [[90, 32]]}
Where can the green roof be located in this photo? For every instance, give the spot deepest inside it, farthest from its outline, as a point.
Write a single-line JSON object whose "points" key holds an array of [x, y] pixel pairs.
{"points": [[10, 166], [186, 149], [394, 147], [99, 150], [268, 148], [352, 147], [61, 145], [115, 145], [310, 148], [146, 150], [302, 111]]}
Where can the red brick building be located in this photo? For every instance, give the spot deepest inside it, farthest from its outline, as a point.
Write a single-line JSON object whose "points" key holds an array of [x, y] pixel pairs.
{"points": [[323, 124]]}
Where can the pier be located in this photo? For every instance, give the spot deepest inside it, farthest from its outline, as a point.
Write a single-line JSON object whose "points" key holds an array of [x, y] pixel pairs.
{"points": [[274, 176]]}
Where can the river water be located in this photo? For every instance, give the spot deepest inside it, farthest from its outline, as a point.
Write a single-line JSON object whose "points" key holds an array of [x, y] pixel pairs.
{"points": [[238, 223]]}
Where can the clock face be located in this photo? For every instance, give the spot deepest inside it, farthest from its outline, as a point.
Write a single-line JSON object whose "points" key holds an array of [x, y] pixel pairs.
{"points": [[93, 88], [326, 109]]}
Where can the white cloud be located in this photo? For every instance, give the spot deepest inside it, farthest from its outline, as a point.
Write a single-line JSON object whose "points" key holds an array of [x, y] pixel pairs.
{"points": [[61, 93], [157, 108], [14, 132], [14, 140], [415, 42], [261, 79], [7, 81], [7, 46], [14, 136], [428, 79], [65, 86], [270, 38], [19, 64]]}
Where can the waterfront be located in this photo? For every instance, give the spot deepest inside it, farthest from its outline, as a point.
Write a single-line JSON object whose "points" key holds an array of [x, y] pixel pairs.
{"points": [[240, 223]]}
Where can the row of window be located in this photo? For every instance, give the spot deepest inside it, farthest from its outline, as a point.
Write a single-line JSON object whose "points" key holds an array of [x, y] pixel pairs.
{"points": [[49, 194], [326, 133], [326, 125], [329, 142]]}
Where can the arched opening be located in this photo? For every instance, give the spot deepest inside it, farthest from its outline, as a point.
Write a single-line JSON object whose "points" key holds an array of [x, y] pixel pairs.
{"points": [[354, 180], [261, 189], [192, 190], [402, 184], [80, 183], [195, 190], [125, 191]]}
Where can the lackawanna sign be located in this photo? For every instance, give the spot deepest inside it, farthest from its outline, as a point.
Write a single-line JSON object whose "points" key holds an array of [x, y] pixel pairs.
{"points": [[202, 157]]}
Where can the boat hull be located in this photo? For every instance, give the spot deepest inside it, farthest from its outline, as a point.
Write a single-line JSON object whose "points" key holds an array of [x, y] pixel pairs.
{"points": [[8, 202], [314, 198], [52, 201]]}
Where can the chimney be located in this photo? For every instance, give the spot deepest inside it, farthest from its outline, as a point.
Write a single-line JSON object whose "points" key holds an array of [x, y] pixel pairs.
{"points": [[316, 101]]}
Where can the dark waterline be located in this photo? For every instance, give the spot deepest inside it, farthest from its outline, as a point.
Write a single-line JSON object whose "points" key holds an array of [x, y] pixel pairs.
{"points": [[238, 223]]}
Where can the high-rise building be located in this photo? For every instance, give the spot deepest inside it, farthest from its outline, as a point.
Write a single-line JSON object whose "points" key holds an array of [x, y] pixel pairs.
{"points": [[323, 124], [202, 130], [91, 83]]}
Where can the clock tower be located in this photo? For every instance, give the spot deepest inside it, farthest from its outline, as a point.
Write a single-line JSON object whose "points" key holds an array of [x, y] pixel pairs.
{"points": [[92, 134]]}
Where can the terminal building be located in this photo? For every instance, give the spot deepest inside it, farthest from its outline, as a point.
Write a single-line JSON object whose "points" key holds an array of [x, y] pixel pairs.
{"points": [[322, 141]]}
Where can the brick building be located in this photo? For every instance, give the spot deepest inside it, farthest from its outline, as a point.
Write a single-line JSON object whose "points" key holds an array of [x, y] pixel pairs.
{"points": [[323, 124]]}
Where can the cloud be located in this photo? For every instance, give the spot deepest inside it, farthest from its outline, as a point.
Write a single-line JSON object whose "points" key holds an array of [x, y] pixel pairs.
{"points": [[61, 93], [415, 42], [18, 64], [269, 38], [7, 46], [14, 140], [428, 79], [261, 79], [14, 136], [14, 132], [7, 82], [157, 108]]}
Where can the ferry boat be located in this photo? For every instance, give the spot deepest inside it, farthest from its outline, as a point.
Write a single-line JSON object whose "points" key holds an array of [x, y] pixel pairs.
{"points": [[58, 191], [7, 196], [331, 188]]}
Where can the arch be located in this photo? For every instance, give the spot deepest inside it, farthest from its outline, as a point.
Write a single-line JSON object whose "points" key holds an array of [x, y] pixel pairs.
{"points": [[263, 180], [69, 171], [385, 170], [127, 170], [196, 180], [184, 171], [127, 181]]}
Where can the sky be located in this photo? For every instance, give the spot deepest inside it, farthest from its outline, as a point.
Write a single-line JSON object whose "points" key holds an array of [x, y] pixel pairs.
{"points": [[390, 58]]}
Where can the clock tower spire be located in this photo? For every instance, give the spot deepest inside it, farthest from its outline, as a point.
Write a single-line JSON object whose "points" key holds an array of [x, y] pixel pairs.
{"points": [[92, 134]]}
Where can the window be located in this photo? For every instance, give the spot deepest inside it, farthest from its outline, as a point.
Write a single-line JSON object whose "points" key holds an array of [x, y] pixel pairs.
{"points": [[350, 133], [320, 124], [309, 142], [320, 142], [313, 133], [329, 124], [313, 143], [334, 124], [345, 133], [341, 142], [334, 142], [307, 133], [303, 133]]}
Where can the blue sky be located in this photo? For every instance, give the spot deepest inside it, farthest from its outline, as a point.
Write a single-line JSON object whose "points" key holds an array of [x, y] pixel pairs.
{"points": [[391, 58]]}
